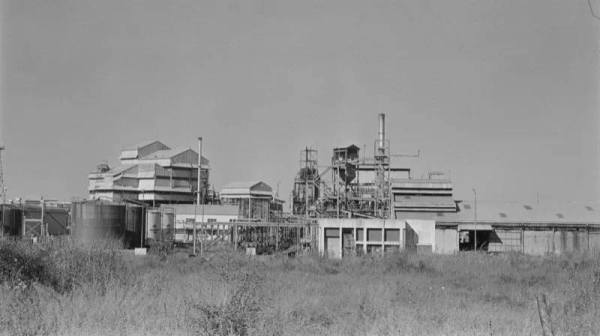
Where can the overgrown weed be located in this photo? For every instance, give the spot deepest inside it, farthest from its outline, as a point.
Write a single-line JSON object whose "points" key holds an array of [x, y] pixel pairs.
{"points": [[71, 288]]}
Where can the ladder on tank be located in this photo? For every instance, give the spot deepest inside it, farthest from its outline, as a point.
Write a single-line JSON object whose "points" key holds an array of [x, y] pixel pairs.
{"points": [[34, 227]]}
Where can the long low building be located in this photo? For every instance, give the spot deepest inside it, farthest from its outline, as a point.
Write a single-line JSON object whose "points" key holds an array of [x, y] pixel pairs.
{"points": [[538, 228], [533, 228]]}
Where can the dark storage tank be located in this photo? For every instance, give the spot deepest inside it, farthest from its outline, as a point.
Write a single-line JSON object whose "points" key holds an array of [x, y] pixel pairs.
{"points": [[98, 220], [12, 221], [134, 225]]}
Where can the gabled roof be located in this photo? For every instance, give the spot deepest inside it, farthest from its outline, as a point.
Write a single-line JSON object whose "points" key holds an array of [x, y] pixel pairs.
{"points": [[241, 189], [185, 156], [119, 169], [352, 147], [142, 149], [143, 144], [164, 154], [242, 184]]}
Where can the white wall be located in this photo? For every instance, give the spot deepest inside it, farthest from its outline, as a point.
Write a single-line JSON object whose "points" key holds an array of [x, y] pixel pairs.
{"points": [[424, 230]]}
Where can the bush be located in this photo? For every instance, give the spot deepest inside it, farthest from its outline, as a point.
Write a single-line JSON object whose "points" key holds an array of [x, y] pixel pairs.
{"points": [[23, 264], [60, 266]]}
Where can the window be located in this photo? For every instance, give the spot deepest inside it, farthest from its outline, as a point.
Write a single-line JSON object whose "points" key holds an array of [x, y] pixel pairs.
{"points": [[559, 215], [468, 206], [360, 234], [332, 232], [374, 235], [392, 235], [502, 214], [211, 220]]}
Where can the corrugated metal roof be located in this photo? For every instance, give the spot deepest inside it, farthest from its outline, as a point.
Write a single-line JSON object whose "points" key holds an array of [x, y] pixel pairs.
{"points": [[119, 169], [242, 189], [164, 154], [349, 148], [424, 200], [409, 181], [514, 212], [143, 144], [242, 184], [507, 211]]}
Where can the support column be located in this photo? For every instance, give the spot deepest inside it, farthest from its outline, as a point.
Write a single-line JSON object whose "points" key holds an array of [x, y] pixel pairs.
{"points": [[277, 239]]}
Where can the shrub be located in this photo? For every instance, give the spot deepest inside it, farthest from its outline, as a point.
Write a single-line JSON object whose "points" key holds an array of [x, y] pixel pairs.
{"points": [[238, 311], [61, 267]]}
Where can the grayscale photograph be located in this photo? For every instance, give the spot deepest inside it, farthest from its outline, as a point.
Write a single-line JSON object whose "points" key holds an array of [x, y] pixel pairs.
{"points": [[299, 167]]}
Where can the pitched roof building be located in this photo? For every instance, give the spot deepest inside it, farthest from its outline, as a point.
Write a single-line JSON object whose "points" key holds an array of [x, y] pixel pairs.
{"points": [[152, 173]]}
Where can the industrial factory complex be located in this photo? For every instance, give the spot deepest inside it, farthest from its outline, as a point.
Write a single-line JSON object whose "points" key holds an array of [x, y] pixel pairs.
{"points": [[358, 203]]}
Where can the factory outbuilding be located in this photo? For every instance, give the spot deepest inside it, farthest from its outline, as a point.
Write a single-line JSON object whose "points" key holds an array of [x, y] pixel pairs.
{"points": [[152, 173], [495, 227], [255, 200], [208, 214], [531, 228]]}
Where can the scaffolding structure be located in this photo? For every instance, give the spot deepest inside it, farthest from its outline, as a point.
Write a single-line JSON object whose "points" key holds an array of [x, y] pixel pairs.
{"points": [[307, 185], [357, 187]]}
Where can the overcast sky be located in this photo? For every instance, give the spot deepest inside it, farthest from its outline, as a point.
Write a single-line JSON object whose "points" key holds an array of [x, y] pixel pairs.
{"points": [[502, 94]]}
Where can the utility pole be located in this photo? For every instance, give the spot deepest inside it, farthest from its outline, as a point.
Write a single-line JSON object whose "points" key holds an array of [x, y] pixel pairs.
{"points": [[475, 225], [201, 195], [198, 185], [4, 190]]}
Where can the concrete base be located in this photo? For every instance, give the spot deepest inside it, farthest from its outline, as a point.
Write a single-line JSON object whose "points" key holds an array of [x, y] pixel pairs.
{"points": [[140, 251]]}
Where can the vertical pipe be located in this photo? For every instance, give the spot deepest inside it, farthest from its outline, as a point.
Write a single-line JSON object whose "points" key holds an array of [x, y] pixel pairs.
{"points": [[43, 229], [306, 184], [475, 223], [381, 130], [194, 227], [201, 195], [144, 221], [277, 238], [341, 246]]}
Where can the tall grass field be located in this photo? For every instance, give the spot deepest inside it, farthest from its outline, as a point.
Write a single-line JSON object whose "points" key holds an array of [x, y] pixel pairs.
{"points": [[68, 288]]}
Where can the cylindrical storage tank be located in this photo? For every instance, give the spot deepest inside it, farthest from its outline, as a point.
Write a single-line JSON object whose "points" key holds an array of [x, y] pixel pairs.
{"points": [[13, 219], [57, 220], [154, 224], [168, 225], [97, 220], [134, 225]]}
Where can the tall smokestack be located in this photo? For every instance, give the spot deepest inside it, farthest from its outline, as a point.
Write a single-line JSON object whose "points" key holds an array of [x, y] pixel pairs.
{"points": [[381, 130]]}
